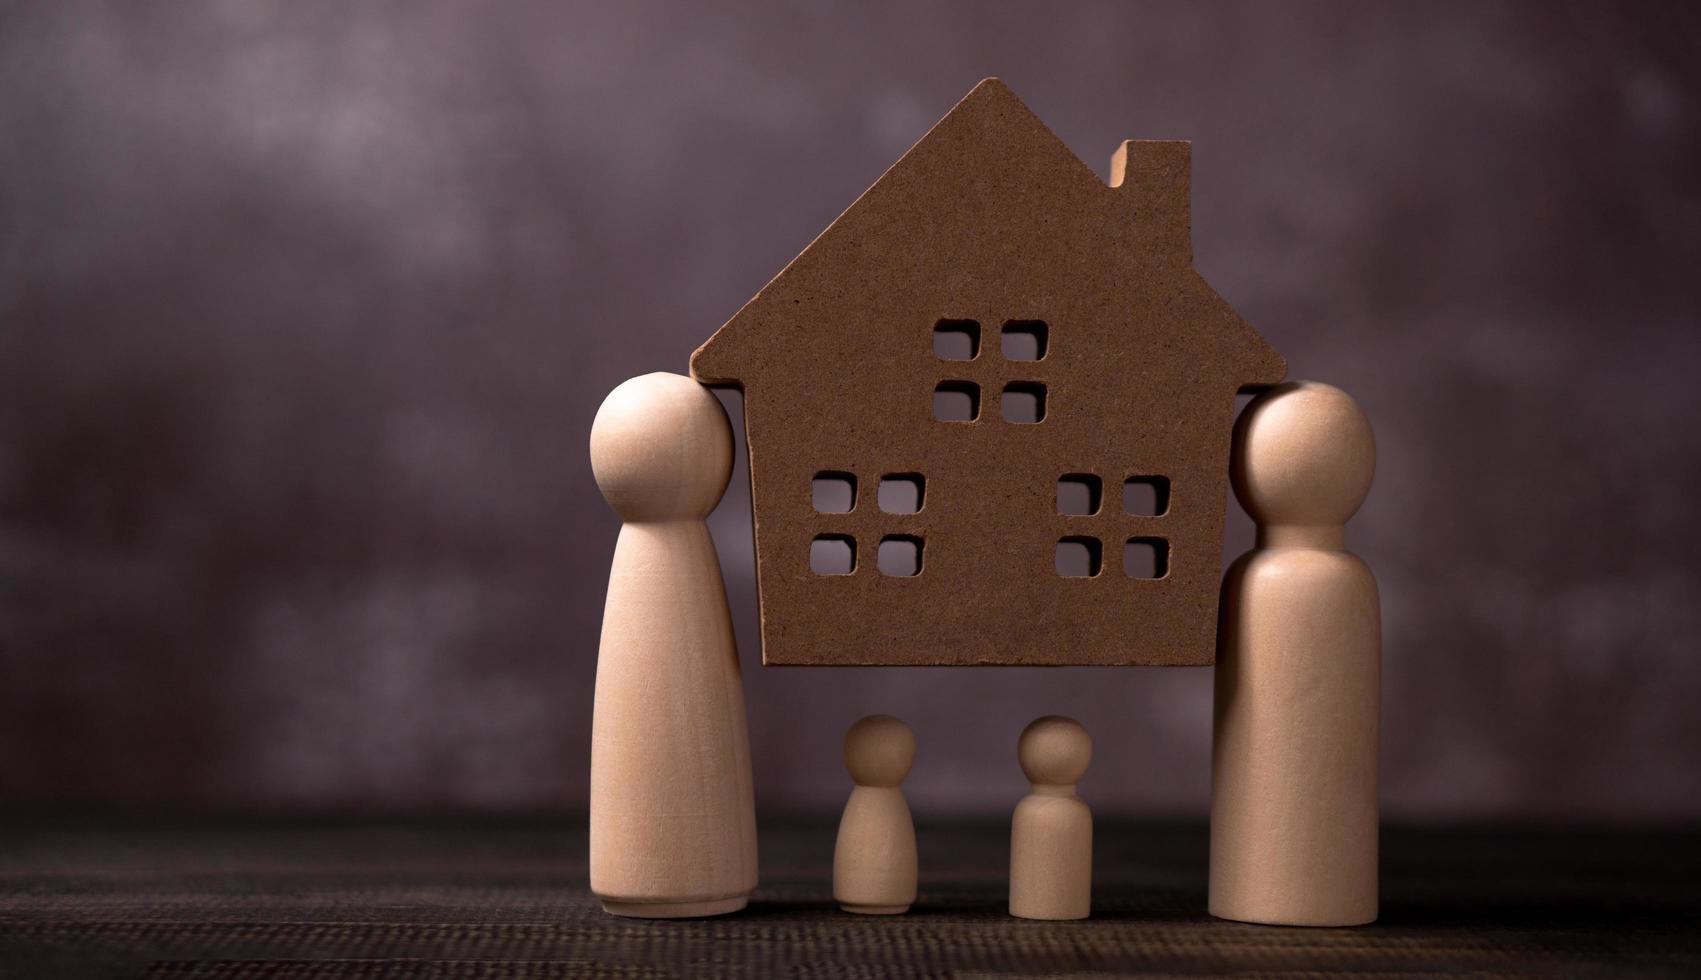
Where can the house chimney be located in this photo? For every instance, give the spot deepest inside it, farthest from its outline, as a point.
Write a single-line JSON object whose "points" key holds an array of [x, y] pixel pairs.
{"points": [[1155, 176]]}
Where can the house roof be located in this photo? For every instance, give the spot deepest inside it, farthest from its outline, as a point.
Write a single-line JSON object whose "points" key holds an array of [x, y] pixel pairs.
{"points": [[986, 174]]}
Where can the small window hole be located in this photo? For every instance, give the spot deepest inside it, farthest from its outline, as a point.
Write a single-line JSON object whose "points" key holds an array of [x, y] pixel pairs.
{"points": [[1078, 557], [899, 555], [832, 554], [1078, 494], [834, 492], [901, 493], [1145, 558], [1146, 496], [1024, 401], [956, 340], [1023, 340], [956, 401]]}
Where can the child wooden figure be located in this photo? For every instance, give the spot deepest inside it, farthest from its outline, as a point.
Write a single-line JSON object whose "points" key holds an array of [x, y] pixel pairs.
{"points": [[1051, 835], [874, 862]]}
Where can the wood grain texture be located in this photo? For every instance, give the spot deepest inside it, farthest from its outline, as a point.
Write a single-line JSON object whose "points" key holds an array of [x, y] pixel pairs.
{"points": [[1297, 710], [673, 820], [487, 897], [990, 225]]}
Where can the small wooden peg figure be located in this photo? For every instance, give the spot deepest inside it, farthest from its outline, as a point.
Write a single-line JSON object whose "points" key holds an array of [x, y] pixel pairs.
{"points": [[673, 817], [1294, 756], [874, 862], [1051, 835]]}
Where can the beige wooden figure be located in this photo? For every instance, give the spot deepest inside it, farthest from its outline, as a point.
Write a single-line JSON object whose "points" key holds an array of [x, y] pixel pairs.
{"points": [[673, 820], [1294, 761], [1051, 835], [874, 862]]}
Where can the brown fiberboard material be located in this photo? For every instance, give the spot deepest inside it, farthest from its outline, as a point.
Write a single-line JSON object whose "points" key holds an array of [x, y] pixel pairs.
{"points": [[990, 270]]}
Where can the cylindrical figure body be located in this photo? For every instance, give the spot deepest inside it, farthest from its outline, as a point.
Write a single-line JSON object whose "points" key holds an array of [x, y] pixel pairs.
{"points": [[874, 860], [673, 825], [1294, 762], [1051, 858]]}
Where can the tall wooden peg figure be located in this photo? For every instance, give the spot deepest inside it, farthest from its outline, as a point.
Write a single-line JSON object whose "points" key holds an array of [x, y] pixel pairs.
{"points": [[1294, 757], [874, 862], [1051, 835], [673, 818]]}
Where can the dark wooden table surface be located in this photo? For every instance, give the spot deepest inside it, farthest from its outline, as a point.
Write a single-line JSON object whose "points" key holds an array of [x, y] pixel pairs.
{"points": [[507, 898]]}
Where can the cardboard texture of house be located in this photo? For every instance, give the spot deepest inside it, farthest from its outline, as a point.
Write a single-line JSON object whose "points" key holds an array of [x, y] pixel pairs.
{"points": [[1022, 394]]}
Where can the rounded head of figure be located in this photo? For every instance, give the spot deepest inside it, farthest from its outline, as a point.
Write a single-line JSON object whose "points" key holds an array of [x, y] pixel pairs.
{"points": [[661, 449], [1054, 751], [879, 751], [1303, 456]]}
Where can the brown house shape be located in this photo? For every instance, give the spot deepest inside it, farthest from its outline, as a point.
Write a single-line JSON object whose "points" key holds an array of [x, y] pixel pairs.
{"points": [[1029, 356]]}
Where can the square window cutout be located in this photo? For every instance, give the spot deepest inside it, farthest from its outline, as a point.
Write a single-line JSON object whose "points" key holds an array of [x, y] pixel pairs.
{"points": [[899, 555], [956, 340], [833, 492], [832, 554], [1024, 401], [901, 493], [1146, 496], [1078, 557], [956, 401], [1023, 340], [1145, 558], [1078, 494]]}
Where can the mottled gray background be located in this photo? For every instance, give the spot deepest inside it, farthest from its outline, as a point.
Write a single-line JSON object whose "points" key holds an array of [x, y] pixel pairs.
{"points": [[305, 309]]}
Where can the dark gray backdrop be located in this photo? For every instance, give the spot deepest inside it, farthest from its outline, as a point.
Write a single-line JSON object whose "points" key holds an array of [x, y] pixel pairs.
{"points": [[305, 309]]}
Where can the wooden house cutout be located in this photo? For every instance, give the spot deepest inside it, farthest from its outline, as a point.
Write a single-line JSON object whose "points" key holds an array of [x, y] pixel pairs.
{"points": [[989, 411]]}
